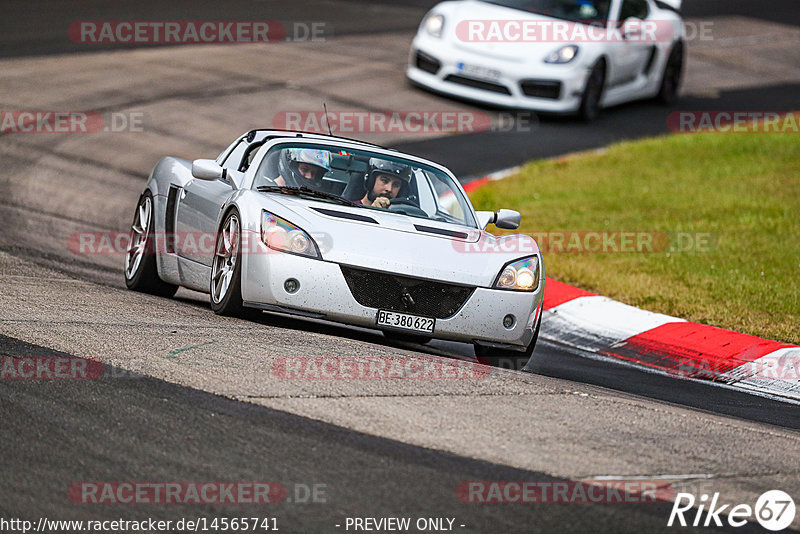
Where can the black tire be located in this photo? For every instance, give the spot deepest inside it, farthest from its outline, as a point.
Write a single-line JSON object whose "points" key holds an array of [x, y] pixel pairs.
{"points": [[406, 338], [671, 76], [593, 93], [497, 357], [141, 271], [226, 298]]}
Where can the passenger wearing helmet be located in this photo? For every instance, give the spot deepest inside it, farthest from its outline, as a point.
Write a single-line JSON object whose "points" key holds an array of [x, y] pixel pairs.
{"points": [[385, 181], [303, 167]]}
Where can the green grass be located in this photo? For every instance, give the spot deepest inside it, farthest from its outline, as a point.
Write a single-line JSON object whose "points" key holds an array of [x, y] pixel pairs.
{"points": [[741, 188]]}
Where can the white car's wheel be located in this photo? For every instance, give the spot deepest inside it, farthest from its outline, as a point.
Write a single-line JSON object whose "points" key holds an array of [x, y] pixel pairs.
{"points": [[498, 357], [671, 77], [593, 93], [226, 268], [141, 273]]}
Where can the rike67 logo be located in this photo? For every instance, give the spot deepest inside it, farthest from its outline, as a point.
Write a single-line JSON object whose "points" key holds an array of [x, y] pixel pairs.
{"points": [[774, 510]]}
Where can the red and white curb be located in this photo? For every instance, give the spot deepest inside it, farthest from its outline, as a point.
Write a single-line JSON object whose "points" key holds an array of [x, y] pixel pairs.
{"points": [[611, 329]]}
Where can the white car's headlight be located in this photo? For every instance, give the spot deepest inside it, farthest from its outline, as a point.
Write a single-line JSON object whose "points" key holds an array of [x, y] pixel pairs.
{"points": [[519, 275], [565, 54], [280, 234], [433, 23]]}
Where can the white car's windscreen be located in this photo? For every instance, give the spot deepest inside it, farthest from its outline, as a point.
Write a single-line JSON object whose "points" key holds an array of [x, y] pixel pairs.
{"points": [[365, 179], [586, 11]]}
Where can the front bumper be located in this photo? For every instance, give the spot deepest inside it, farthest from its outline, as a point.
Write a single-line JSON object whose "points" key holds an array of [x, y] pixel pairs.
{"points": [[437, 76], [324, 293]]}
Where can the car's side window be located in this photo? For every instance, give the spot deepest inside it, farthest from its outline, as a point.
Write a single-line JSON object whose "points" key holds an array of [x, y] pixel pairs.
{"points": [[252, 152], [633, 8], [234, 159]]}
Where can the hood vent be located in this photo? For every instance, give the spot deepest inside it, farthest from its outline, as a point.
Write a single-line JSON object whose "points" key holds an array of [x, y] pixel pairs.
{"points": [[346, 215], [440, 231]]}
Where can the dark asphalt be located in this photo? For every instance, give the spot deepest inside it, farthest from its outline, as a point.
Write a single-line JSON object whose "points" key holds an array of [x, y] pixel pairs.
{"points": [[56, 433], [28, 28], [472, 155], [556, 361]]}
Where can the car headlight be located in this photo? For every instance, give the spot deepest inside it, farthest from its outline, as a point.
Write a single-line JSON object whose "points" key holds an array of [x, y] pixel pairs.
{"points": [[519, 275], [565, 54], [433, 24], [280, 234]]}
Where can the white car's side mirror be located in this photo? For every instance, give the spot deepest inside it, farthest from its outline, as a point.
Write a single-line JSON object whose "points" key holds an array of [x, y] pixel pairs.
{"points": [[505, 219], [207, 169], [485, 218], [632, 29], [508, 219]]}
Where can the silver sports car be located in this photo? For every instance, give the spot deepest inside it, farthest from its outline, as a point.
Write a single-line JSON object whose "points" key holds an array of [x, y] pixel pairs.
{"points": [[332, 228]]}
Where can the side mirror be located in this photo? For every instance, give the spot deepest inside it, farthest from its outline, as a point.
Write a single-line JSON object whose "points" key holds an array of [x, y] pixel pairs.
{"points": [[508, 219], [632, 29], [485, 218], [505, 219], [207, 169]]}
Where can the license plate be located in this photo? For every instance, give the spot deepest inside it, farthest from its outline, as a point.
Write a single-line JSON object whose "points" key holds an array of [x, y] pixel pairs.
{"points": [[478, 71], [405, 321]]}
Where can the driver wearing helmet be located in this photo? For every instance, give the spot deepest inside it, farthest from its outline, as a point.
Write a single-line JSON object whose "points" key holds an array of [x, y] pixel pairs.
{"points": [[385, 181], [304, 167]]}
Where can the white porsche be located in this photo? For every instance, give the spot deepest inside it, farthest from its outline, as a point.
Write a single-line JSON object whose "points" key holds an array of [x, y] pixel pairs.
{"points": [[557, 56]]}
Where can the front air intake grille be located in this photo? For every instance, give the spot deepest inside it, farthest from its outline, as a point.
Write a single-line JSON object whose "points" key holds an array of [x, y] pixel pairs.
{"points": [[427, 63], [541, 88], [478, 84], [405, 294]]}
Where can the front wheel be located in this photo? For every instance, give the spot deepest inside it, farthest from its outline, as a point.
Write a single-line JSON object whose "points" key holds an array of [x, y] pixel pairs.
{"points": [[226, 268], [671, 77], [592, 93], [499, 357], [141, 271]]}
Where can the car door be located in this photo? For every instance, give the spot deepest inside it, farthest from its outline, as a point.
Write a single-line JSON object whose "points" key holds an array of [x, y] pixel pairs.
{"points": [[631, 53], [198, 206]]}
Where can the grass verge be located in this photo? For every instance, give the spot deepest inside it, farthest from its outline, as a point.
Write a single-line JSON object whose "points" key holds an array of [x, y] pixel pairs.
{"points": [[722, 212]]}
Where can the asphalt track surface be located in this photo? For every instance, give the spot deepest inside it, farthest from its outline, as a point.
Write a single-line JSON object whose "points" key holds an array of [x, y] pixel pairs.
{"points": [[32, 29], [56, 433]]}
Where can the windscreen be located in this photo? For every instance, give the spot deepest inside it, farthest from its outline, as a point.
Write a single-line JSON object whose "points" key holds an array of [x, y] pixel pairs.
{"points": [[585, 11], [365, 179]]}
